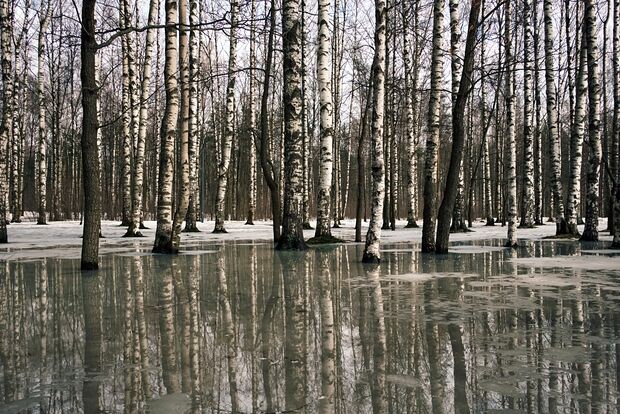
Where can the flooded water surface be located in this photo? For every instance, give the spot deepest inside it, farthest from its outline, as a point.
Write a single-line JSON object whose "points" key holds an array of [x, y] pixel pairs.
{"points": [[238, 327]]}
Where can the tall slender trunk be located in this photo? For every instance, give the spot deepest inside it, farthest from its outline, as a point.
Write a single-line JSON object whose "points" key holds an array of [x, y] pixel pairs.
{"points": [[229, 129], [292, 237], [590, 232], [163, 234], [44, 19], [328, 340], [90, 153], [324, 77], [126, 107], [511, 162], [458, 133], [373, 236], [6, 126], [576, 142], [527, 209], [252, 107], [616, 124], [434, 131], [138, 171], [555, 157], [538, 179], [410, 130]]}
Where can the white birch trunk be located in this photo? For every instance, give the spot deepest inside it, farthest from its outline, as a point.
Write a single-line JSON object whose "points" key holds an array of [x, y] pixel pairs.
{"points": [[576, 143], [590, 232], [253, 131], [328, 340], [511, 162], [292, 237], [44, 19], [6, 125], [163, 233], [538, 191], [616, 124], [229, 128], [432, 140], [373, 236], [126, 119], [409, 91], [527, 212], [138, 170], [552, 120], [324, 77]]}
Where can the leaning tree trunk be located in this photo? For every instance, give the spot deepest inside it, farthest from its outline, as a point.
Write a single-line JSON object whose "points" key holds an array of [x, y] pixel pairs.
{"points": [[434, 131], [6, 126], [511, 162], [44, 19], [373, 236], [576, 143], [527, 210], [590, 232], [163, 233], [90, 154], [292, 237], [552, 122], [229, 129], [138, 172], [324, 77], [458, 133], [616, 125]]}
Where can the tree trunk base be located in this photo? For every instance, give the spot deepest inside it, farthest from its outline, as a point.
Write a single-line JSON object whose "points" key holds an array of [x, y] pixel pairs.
{"points": [[41, 222], [370, 258], [490, 221], [326, 239], [249, 222], [412, 225], [165, 249], [589, 235], [219, 231], [336, 226], [385, 226], [307, 226], [89, 265], [526, 226], [550, 220], [511, 245], [142, 226], [125, 223], [190, 228], [291, 242], [562, 228], [132, 232]]}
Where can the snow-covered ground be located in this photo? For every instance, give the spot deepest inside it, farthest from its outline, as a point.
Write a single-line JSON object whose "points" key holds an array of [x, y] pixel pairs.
{"points": [[62, 239]]}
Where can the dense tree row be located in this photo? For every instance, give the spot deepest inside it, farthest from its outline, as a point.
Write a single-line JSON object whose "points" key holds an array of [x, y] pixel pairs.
{"points": [[504, 111]]}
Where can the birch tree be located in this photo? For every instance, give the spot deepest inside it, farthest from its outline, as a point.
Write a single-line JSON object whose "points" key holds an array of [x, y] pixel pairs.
{"points": [[163, 233], [6, 125], [576, 142], [616, 121], [552, 121], [324, 77], [527, 210], [229, 129], [138, 170], [44, 19], [432, 140], [590, 232], [373, 236], [292, 237], [511, 148], [410, 130], [252, 108]]}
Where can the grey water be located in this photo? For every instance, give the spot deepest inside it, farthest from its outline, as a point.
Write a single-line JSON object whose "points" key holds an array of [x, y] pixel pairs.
{"points": [[239, 327]]}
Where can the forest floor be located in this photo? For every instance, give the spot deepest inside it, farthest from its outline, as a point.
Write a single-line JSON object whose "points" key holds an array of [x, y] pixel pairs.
{"points": [[28, 240]]}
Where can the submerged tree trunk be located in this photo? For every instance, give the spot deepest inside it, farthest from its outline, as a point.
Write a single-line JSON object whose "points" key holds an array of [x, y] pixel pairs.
{"points": [[164, 234], [458, 134], [90, 155], [292, 237], [324, 77], [590, 232], [434, 131], [229, 130], [552, 122], [373, 236]]}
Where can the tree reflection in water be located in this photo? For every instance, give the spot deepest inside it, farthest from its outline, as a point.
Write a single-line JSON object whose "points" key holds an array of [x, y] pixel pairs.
{"points": [[249, 329]]}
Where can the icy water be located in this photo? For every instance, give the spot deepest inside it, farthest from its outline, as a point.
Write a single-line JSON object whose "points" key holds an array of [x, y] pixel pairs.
{"points": [[239, 327]]}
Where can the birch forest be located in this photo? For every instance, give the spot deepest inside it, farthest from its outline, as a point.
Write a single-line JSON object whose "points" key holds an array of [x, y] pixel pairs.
{"points": [[440, 113], [310, 206]]}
